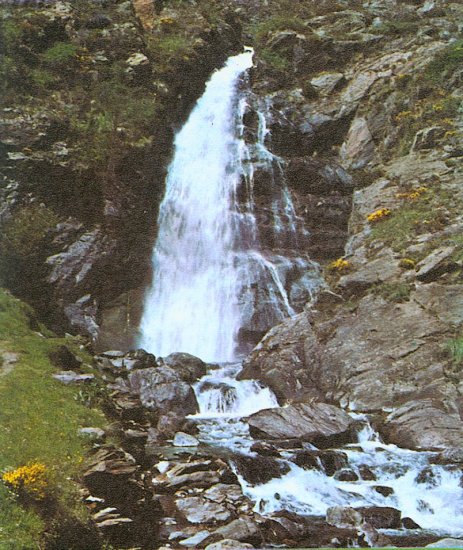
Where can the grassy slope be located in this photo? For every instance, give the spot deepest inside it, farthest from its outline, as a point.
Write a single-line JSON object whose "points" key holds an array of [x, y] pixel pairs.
{"points": [[39, 421]]}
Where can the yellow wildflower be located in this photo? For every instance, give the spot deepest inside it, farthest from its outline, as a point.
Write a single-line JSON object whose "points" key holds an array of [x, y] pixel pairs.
{"points": [[339, 265], [30, 479], [378, 215]]}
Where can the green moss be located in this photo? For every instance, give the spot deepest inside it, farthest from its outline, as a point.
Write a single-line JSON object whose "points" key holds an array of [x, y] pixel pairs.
{"points": [[455, 349], [59, 55], [275, 60], [445, 63], [39, 421]]}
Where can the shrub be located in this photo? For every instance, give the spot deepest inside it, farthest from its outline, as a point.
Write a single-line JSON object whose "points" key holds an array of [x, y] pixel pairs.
{"points": [[28, 482]]}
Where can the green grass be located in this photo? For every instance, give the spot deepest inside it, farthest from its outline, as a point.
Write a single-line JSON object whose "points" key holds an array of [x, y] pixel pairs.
{"points": [[39, 421], [422, 215], [393, 292]]}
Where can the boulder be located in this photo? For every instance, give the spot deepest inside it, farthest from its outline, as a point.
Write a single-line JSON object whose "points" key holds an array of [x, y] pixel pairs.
{"points": [[198, 510], [278, 360], [319, 423], [161, 389], [329, 461], [243, 529], [446, 543], [423, 424], [188, 367], [326, 82], [258, 470], [380, 517], [344, 517]]}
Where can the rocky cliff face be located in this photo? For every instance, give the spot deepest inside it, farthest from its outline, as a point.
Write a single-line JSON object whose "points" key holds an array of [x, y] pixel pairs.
{"points": [[362, 106]]}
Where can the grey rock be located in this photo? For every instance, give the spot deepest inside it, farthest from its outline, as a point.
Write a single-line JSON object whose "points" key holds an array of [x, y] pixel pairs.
{"points": [[242, 529], [318, 423], [344, 517], [70, 377], [228, 543], [384, 268], [182, 439], [195, 540], [358, 149], [423, 424], [439, 262], [198, 510], [93, 433], [325, 83], [162, 389], [189, 368], [427, 138]]}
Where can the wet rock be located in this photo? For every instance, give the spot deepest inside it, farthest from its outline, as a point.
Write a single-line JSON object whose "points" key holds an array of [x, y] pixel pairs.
{"points": [[366, 474], [189, 368], [408, 523], [260, 469], [161, 389], [450, 456], [198, 510], [346, 475], [196, 479], [382, 490], [297, 530], [70, 377], [343, 517], [427, 476], [314, 176], [81, 316], [264, 449], [63, 359], [439, 262], [223, 492], [182, 439], [319, 423], [380, 517], [423, 424]]}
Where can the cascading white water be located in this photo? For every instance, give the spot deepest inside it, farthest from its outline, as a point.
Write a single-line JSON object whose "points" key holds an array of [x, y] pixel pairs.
{"points": [[192, 306]]}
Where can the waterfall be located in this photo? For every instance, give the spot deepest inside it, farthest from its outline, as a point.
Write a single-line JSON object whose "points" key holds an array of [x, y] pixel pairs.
{"points": [[215, 275], [192, 306]]}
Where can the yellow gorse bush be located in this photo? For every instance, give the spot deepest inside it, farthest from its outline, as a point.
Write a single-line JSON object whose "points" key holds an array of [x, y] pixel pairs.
{"points": [[339, 265], [378, 215], [30, 480]]}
